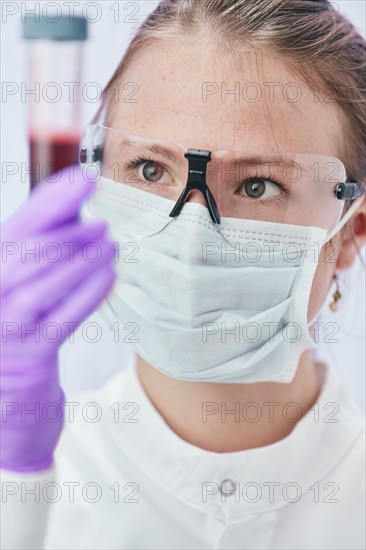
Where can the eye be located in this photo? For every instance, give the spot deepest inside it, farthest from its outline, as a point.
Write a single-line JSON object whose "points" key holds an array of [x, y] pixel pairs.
{"points": [[149, 170], [261, 188]]}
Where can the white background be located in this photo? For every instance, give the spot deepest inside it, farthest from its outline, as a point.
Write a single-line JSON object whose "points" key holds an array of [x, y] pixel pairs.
{"points": [[84, 363]]}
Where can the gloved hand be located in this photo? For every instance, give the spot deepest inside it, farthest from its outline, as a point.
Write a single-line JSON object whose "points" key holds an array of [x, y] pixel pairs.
{"points": [[50, 282]]}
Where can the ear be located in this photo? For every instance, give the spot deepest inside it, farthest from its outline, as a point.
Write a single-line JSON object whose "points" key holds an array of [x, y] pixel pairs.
{"points": [[353, 238]]}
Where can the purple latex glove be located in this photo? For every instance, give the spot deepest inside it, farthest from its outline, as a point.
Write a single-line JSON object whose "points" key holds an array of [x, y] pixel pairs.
{"points": [[44, 294]]}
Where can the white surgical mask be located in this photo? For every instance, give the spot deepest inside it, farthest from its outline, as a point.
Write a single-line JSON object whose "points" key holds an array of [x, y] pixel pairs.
{"points": [[201, 302]]}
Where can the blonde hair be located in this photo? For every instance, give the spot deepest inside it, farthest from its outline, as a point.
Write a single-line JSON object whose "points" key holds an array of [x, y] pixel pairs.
{"points": [[322, 47]]}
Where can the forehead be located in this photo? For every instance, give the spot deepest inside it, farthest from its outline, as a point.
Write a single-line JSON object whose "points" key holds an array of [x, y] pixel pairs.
{"points": [[196, 96]]}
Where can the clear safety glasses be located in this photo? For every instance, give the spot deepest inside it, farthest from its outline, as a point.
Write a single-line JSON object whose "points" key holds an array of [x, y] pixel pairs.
{"points": [[292, 188]]}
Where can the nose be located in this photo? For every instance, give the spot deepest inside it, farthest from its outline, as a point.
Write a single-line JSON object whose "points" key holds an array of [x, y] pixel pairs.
{"points": [[205, 198], [196, 196]]}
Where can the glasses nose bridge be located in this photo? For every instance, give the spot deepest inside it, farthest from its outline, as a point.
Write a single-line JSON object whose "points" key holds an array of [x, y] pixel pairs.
{"points": [[196, 183], [212, 181]]}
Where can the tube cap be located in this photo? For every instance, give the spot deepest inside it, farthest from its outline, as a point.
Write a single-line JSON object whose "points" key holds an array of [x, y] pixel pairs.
{"points": [[63, 27]]}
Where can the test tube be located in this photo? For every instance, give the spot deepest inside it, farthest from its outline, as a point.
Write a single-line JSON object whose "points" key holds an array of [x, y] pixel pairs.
{"points": [[54, 63]]}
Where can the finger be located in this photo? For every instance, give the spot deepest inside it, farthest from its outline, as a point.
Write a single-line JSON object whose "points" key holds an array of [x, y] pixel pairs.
{"points": [[51, 204], [90, 292], [24, 261], [32, 301]]}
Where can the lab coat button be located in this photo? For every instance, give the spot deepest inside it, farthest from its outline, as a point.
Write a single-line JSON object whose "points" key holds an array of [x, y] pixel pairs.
{"points": [[227, 487]]}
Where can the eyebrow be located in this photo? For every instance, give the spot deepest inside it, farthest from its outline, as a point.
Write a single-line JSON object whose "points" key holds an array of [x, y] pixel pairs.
{"points": [[270, 158], [155, 148], [170, 155], [261, 158]]}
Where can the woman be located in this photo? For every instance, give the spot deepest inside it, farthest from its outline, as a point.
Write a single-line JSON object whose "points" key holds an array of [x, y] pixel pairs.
{"points": [[225, 432]]}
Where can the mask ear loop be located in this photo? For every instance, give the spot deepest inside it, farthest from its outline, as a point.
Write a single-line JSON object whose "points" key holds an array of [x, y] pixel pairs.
{"points": [[348, 215]]}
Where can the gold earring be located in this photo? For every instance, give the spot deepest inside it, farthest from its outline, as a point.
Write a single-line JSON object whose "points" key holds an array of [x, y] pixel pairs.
{"points": [[336, 295]]}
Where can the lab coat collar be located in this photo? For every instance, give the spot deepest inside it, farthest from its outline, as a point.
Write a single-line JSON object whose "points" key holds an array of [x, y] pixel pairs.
{"points": [[258, 480]]}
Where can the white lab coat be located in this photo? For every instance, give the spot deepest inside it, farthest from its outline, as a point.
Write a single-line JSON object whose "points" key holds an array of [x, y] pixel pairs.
{"points": [[128, 481]]}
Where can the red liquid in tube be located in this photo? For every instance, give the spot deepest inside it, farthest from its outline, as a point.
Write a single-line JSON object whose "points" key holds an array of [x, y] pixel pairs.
{"points": [[51, 154], [54, 57]]}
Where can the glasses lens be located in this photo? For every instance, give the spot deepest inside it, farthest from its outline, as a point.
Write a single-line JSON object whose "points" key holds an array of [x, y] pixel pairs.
{"points": [[290, 188]]}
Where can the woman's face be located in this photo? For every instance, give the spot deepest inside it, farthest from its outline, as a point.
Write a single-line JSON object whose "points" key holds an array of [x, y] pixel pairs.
{"points": [[191, 95]]}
